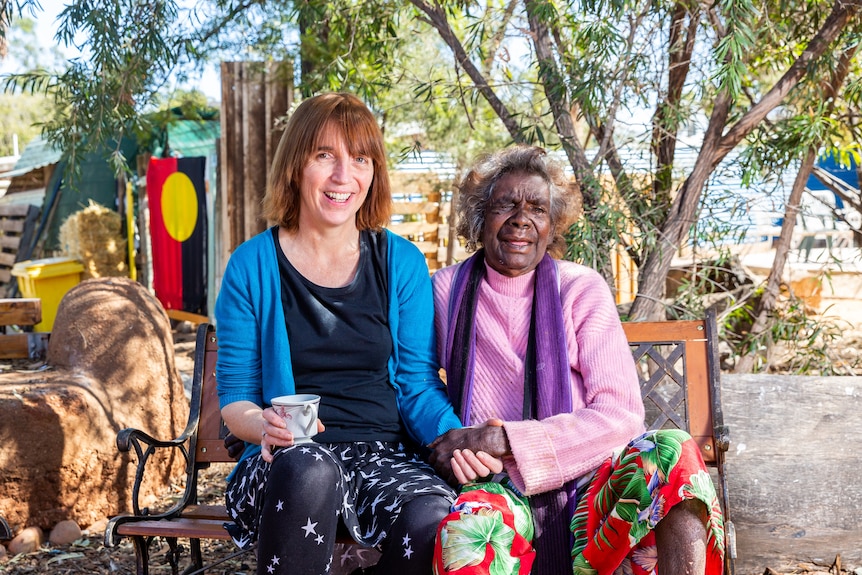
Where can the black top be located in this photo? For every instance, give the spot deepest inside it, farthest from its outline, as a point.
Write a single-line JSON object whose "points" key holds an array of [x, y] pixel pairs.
{"points": [[340, 346]]}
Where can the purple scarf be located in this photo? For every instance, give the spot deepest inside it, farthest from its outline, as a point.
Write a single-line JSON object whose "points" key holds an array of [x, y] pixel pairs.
{"points": [[547, 389]]}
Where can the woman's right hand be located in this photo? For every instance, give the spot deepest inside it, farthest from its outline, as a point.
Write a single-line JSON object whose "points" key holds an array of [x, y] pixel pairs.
{"points": [[275, 434], [273, 430], [469, 467]]}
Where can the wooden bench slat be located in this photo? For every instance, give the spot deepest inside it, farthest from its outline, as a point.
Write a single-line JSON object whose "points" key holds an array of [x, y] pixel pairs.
{"points": [[180, 527], [659, 331], [213, 512], [20, 311]]}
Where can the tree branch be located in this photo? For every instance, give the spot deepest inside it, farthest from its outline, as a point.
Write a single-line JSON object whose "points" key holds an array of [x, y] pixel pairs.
{"points": [[555, 91], [497, 37], [436, 17], [666, 119], [716, 147], [842, 12]]}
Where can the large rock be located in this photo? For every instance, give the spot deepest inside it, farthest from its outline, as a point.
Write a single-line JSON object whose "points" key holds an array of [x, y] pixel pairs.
{"points": [[112, 359]]}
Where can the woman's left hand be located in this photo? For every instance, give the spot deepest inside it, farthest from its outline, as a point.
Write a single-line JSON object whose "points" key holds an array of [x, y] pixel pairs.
{"points": [[275, 433], [469, 467]]}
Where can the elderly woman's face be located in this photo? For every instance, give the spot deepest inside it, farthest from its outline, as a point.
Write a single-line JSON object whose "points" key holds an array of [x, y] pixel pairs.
{"points": [[518, 223]]}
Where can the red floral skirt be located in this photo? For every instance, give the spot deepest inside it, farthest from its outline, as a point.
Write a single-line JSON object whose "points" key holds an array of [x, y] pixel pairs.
{"points": [[630, 493], [490, 529]]}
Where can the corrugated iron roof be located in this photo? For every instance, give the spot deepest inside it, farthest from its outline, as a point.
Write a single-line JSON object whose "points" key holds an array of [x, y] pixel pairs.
{"points": [[37, 154], [191, 138]]}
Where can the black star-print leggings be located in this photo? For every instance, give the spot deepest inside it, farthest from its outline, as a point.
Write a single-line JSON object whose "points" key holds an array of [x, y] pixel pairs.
{"points": [[386, 497]]}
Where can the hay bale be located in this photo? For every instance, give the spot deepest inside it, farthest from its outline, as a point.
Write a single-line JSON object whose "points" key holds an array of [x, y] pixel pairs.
{"points": [[94, 236]]}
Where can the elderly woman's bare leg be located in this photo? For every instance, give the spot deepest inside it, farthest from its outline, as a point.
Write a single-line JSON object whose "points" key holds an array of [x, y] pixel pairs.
{"points": [[681, 539]]}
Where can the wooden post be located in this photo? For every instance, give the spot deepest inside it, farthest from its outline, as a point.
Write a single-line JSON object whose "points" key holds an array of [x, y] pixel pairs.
{"points": [[255, 95]]}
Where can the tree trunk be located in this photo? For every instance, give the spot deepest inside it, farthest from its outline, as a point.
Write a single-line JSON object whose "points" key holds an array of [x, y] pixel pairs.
{"points": [[648, 303], [435, 16]]}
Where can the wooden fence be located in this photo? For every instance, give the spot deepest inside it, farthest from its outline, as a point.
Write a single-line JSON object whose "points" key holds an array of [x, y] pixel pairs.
{"points": [[255, 96]]}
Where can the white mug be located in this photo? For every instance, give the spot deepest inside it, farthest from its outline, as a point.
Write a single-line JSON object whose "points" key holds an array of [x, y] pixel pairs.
{"points": [[299, 413]]}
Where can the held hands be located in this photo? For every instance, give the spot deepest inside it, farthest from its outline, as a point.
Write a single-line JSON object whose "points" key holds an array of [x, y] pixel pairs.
{"points": [[462, 455], [468, 466], [234, 445]]}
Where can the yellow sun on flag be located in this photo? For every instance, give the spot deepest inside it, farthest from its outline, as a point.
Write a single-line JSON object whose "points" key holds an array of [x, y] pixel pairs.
{"points": [[179, 206]]}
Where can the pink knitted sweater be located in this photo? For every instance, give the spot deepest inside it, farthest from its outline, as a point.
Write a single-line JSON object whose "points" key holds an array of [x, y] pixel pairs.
{"points": [[607, 407]]}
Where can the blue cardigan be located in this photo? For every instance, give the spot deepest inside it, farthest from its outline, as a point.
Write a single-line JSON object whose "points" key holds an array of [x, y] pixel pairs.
{"points": [[254, 353]]}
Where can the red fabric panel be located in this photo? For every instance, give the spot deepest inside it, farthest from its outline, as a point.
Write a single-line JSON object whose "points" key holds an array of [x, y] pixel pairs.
{"points": [[167, 255]]}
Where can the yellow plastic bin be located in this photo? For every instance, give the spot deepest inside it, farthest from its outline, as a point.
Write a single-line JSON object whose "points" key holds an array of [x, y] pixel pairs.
{"points": [[49, 280]]}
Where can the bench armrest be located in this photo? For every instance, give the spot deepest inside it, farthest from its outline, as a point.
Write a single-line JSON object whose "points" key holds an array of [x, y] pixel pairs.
{"points": [[5, 532], [145, 446]]}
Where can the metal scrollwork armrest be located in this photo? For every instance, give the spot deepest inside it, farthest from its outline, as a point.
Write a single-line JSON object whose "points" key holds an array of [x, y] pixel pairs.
{"points": [[144, 446]]}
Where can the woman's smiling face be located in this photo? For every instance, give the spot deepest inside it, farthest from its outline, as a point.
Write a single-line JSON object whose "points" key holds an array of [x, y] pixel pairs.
{"points": [[518, 224], [334, 182]]}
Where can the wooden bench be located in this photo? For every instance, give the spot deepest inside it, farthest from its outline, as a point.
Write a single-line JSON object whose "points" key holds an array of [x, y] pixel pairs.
{"points": [[678, 368]]}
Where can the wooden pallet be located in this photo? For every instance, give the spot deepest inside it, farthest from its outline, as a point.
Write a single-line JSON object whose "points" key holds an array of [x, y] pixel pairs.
{"points": [[17, 226], [416, 213], [24, 313]]}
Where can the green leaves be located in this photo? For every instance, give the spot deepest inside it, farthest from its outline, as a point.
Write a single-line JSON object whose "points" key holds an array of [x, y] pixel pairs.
{"points": [[130, 48], [734, 47], [613, 86]]}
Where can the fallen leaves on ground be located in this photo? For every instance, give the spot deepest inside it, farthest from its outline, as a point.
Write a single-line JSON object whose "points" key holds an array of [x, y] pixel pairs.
{"points": [[89, 556]]}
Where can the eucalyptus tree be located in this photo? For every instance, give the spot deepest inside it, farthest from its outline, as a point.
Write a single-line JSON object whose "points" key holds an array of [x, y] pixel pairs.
{"points": [[128, 50], [132, 51], [565, 74], [22, 113], [818, 120], [596, 61]]}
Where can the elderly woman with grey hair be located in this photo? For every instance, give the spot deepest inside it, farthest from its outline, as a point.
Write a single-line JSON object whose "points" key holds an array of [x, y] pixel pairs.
{"points": [[556, 470]]}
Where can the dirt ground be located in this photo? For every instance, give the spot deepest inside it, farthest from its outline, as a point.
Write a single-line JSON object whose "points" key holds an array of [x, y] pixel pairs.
{"points": [[89, 555]]}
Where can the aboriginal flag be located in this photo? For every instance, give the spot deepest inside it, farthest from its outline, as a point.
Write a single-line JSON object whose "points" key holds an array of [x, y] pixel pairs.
{"points": [[178, 232]]}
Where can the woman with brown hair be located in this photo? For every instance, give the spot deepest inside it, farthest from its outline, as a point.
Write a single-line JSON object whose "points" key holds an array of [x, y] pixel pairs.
{"points": [[326, 302]]}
